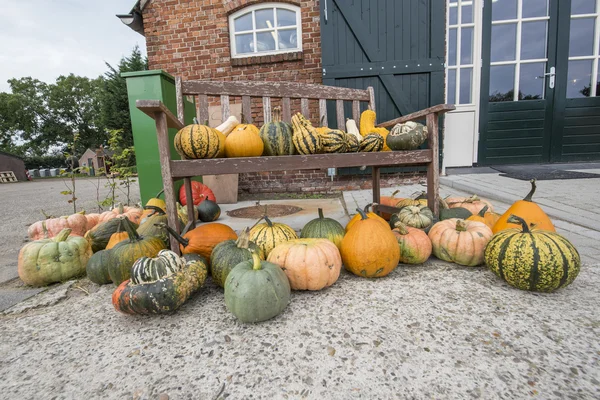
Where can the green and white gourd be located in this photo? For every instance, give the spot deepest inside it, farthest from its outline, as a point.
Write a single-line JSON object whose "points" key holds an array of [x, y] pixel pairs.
{"points": [[408, 136]]}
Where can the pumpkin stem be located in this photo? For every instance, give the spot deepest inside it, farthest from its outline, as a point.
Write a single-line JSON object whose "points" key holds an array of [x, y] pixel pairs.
{"points": [[268, 221], [155, 210], [256, 262], [120, 208], [514, 219], [63, 235], [120, 226], [461, 226], [444, 204], [483, 211], [321, 213], [206, 122], [159, 193], [400, 227], [183, 241], [46, 216], [415, 210], [322, 121], [363, 214], [276, 114], [369, 206], [243, 240], [195, 120], [44, 230], [395, 193], [130, 229], [531, 192]]}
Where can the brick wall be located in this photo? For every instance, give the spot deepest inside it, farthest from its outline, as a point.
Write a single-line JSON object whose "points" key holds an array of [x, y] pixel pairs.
{"points": [[190, 38]]}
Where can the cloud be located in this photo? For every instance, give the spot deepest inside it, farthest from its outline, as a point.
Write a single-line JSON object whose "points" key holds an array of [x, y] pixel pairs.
{"points": [[45, 39]]}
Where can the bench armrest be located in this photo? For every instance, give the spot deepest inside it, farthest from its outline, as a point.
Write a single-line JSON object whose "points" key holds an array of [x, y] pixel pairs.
{"points": [[152, 107], [440, 109]]}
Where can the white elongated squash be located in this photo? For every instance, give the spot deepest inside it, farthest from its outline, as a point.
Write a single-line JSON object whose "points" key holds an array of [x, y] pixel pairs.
{"points": [[352, 129], [226, 127]]}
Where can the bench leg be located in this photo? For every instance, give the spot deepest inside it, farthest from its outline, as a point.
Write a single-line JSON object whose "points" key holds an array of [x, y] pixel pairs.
{"points": [[376, 185], [187, 182], [433, 169]]}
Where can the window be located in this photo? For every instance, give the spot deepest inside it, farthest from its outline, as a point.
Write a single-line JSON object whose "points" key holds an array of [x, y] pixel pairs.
{"points": [[265, 29], [460, 55]]}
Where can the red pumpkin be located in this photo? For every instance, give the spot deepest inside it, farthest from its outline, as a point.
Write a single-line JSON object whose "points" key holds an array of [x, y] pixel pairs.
{"points": [[199, 192], [51, 227]]}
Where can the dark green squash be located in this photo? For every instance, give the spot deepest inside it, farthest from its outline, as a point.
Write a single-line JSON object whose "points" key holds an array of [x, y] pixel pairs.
{"points": [[151, 225], [208, 211], [324, 228], [160, 285], [457, 212], [226, 255], [125, 253], [100, 234], [97, 267], [407, 136], [277, 136], [257, 290]]}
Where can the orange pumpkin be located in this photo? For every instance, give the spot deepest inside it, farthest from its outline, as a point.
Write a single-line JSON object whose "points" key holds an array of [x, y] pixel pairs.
{"points": [[51, 227], [415, 246], [244, 141], [474, 204], [370, 248], [92, 220], [134, 214], [118, 236], [370, 214], [460, 241], [390, 201], [203, 239], [485, 216], [527, 210], [310, 264]]}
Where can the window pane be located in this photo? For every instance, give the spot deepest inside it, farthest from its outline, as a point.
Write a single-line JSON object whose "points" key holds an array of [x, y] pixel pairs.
{"points": [[466, 46], [579, 78], [288, 39], [583, 7], [467, 12], [466, 83], [581, 39], [504, 38], [598, 84], [265, 41], [244, 43], [285, 17], [533, 40], [451, 99], [504, 9], [535, 8], [452, 47], [531, 81], [264, 19], [502, 78], [453, 14], [243, 23]]}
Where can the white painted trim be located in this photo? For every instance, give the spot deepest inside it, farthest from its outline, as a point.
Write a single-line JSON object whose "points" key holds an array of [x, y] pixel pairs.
{"points": [[596, 50], [261, 6]]}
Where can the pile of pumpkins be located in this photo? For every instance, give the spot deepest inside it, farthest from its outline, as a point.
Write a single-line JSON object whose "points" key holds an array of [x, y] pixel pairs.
{"points": [[278, 138], [259, 268]]}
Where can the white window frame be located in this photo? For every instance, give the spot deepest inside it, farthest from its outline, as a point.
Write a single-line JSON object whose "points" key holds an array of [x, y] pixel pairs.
{"points": [[261, 6], [596, 52]]}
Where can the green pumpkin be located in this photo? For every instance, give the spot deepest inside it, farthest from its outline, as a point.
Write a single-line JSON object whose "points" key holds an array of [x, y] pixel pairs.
{"points": [[226, 255], [53, 260], [257, 290], [457, 212], [100, 234], [125, 253], [208, 211], [532, 259], [324, 228], [160, 285], [407, 136], [97, 267], [334, 141], [277, 136], [371, 143], [420, 217], [151, 225]]}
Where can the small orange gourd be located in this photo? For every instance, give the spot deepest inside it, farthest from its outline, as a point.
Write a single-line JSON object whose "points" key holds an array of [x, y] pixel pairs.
{"points": [[203, 239], [527, 210], [370, 248], [485, 216], [370, 214], [118, 236]]}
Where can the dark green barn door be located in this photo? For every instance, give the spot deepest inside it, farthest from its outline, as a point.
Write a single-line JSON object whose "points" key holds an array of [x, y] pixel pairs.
{"points": [[396, 46], [535, 103]]}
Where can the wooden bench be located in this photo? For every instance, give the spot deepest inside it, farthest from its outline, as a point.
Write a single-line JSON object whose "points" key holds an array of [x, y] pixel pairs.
{"points": [[173, 170]]}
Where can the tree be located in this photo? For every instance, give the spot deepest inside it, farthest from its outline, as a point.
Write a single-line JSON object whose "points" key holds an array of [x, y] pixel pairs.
{"points": [[115, 104]]}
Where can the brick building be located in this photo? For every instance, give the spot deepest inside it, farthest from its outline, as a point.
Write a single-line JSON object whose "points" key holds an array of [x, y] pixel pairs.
{"points": [[198, 39]]}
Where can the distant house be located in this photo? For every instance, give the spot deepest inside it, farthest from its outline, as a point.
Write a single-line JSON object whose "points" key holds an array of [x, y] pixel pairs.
{"points": [[95, 160], [10, 162]]}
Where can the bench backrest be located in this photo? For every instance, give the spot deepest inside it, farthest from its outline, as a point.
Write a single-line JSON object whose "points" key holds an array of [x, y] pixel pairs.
{"points": [[286, 91]]}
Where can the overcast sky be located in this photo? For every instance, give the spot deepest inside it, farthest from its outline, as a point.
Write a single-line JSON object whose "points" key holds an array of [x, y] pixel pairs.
{"points": [[48, 38]]}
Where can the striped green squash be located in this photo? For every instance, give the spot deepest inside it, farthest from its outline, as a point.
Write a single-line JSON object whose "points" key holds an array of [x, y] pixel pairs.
{"points": [[198, 141], [325, 228], [334, 141], [277, 136], [353, 144], [147, 269], [371, 143], [226, 255], [306, 138], [268, 235], [532, 259]]}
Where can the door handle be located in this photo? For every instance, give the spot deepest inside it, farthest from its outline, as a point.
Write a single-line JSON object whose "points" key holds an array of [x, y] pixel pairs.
{"points": [[552, 75]]}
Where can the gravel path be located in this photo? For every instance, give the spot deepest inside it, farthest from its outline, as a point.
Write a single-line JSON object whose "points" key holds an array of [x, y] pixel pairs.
{"points": [[436, 331]]}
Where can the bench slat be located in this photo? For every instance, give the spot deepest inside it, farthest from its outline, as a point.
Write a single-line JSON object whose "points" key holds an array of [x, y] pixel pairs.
{"points": [[323, 113], [266, 109], [202, 112], [286, 114], [225, 113], [304, 108], [247, 108], [339, 110], [356, 112]]}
